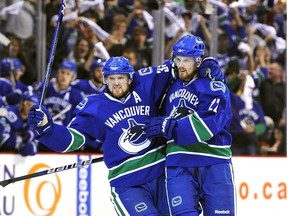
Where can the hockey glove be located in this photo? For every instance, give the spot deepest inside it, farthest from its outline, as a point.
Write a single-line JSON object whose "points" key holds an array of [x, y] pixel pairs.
{"points": [[160, 126], [210, 67], [28, 149], [40, 119]]}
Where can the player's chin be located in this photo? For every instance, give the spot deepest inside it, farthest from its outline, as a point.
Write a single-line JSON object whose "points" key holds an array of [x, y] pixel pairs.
{"points": [[183, 75], [118, 94]]}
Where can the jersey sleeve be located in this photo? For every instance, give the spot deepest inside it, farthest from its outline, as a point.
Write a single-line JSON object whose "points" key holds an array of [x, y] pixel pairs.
{"points": [[77, 133], [155, 79], [211, 117]]}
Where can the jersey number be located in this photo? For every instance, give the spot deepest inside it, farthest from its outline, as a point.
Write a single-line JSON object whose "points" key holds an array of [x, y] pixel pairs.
{"points": [[214, 105]]}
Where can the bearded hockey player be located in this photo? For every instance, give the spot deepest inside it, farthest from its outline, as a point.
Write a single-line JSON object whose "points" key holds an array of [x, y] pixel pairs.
{"points": [[197, 115]]}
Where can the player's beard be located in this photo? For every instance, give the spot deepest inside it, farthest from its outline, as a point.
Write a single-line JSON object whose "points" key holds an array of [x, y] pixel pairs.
{"points": [[119, 91], [186, 75]]}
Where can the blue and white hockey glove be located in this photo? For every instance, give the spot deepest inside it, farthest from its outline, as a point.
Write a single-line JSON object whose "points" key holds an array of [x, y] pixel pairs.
{"points": [[28, 149], [160, 126], [40, 119], [210, 67]]}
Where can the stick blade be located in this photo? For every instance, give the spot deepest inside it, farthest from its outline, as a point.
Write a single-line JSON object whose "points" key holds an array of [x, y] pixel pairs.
{"points": [[4, 183]]}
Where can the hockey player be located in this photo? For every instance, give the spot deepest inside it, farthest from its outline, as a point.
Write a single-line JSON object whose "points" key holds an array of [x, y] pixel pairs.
{"points": [[11, 88], [197, 113], [116, 118], [15, 134], [95, 84], [61, 98]]}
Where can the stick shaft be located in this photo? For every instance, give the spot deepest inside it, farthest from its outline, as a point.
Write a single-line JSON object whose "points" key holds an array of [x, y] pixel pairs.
{"points": [[52, 51], [62, 112], [51, 171]]}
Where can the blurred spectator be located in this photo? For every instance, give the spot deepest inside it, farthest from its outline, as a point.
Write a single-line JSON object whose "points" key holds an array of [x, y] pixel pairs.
{"points": [[248, 10], [111, 10], [22, 23], [26, 54], [131, 55], [235, 28], [272, 93], [140, 17], [51, 9], [225, 51], [276, 147], [279, 16], [82, 55], [11, 70], [96, 35], [93, 10], [272, 97], [114, 43], [138, 41], [95, 84], [248, 121], [15, 134]]}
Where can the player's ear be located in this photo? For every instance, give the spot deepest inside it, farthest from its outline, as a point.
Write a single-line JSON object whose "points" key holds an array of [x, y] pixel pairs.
{"points": [[129, 81], [199, 61]]}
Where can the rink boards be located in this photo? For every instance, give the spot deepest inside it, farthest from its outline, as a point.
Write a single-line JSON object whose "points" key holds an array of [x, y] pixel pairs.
{"points": [[261, 185]]}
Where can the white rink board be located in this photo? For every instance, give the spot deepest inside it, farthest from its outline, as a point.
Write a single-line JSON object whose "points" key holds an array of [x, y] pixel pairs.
{"points": [[261, 187]]}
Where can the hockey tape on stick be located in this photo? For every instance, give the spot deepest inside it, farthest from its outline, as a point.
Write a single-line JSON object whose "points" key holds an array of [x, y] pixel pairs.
{"points": [[52, 51], [50, 171]]}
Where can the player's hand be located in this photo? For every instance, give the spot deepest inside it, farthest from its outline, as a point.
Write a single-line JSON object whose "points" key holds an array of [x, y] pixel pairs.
{"points": [[28, 149], [39, 119], [210, 67], [160, 126]]}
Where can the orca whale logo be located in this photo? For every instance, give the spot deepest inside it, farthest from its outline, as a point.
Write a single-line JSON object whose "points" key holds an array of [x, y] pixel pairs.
{"points": [[133, 139], [181, 110]]}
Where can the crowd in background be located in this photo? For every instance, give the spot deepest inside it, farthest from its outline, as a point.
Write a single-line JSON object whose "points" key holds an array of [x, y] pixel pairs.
{"points": [[251, 50]]}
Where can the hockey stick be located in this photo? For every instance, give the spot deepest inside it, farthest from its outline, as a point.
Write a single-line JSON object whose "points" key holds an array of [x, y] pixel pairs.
{"points": [[50, 171], [52, 51], [62, 112]]}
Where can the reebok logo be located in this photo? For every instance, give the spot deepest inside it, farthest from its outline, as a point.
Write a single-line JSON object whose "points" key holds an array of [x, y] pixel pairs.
{"points": [[222, 212], [176, 201], [164, 124], [140, 207]]}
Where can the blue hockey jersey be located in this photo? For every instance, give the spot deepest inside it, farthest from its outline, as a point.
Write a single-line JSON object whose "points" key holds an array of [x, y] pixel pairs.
{"points": [[15, 128], [203, 110], [56, 101], [87, 87], [131, 158], [243, 116], [5, 87]]}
